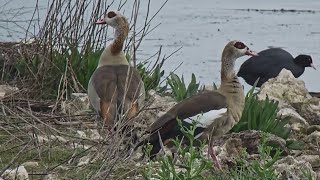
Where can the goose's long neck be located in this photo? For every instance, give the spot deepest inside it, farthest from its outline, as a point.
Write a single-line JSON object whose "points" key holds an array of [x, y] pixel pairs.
{"points": [[113, 54], [227, 68], [120, 35], [231, 88]]}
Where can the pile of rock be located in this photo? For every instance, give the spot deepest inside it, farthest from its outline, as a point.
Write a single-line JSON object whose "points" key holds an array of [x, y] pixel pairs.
{"points": [[294, 100]]}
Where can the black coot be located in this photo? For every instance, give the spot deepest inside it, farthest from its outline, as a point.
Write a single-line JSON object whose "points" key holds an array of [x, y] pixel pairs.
{"points": [[270, 62]]}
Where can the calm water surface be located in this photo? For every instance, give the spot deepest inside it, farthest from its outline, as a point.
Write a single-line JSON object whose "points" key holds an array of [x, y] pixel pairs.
{"points": [[202, 28]]}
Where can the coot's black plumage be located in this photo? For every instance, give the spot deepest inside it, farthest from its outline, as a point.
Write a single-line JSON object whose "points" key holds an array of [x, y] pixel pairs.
{"points": [[270, 62]]}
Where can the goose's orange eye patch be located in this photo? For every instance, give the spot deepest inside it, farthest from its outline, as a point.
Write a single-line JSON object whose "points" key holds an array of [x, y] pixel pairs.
{"points": [[239, 45], [111, 14]]}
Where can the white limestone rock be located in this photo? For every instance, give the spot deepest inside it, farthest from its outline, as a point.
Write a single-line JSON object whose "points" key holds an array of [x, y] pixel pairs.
{"points": [[314, 160], [294, 169], [284, 88], [292, 93], [6, 90], [18, 173], [296, 121], [79, 104], [52, 176], [310, 110]]}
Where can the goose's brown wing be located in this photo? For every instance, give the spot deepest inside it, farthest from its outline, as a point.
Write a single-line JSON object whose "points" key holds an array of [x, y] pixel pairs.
{"points": [[200, 103]]}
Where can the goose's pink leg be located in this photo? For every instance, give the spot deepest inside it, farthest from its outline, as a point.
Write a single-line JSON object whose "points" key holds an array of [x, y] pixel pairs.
{"points": [[213, 156]]}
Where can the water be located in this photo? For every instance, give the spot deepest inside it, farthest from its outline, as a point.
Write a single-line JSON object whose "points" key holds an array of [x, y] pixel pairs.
{"points": [[203, 27]]}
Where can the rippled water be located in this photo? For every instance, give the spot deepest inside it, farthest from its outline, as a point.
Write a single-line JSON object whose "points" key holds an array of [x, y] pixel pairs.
{"points": [[203, 27]]}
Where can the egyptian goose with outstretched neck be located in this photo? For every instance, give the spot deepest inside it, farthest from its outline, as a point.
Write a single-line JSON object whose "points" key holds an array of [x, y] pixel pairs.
{"points": [[115, 88], [215, 112]]}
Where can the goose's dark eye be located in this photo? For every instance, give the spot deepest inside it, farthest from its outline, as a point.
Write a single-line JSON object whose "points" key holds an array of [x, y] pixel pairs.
{"points": [[111, 14], [239, 45]]}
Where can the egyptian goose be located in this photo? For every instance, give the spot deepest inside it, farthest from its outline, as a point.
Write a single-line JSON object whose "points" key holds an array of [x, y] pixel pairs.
{"points": [[270, 62], [115, 88], [216, 112]]}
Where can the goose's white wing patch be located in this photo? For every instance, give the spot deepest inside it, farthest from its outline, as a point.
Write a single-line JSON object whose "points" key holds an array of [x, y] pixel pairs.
{"points": [[205, 119]]}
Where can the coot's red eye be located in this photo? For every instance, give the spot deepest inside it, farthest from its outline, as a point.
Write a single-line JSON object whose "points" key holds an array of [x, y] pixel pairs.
{"points": [[239, 45], [111, 14]]}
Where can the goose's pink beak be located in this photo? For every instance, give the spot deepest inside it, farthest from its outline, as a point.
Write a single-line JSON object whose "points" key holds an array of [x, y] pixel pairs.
{"points": [[313, 66], [101, 21], [251, 53]]}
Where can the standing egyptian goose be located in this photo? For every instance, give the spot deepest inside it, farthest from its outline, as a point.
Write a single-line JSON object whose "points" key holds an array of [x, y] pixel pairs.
{"points": [[270, 62], [216, 112], [115, 88]]}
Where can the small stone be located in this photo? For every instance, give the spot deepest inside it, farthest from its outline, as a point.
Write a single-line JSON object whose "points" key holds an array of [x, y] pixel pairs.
{"points": [[315, 136], [42, 139], [82, 146], [6, 90], [289, 167], [314, 160], [30, 164], [94, 134], [79, 104], [59, 138], [18, 173], [294, 116], [138, 164], [51, 177], [84, 160], [310, 110], [81, 134], [313, 128]]}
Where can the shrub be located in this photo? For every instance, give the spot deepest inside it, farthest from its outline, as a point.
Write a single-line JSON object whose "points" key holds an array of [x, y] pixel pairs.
{"points": [[260, 168], [179, 89], [151, 78], [262, 115], [191, 163]]}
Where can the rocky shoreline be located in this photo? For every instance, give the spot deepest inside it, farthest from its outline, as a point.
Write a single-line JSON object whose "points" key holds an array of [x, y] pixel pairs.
{"points": [[294, 102]]}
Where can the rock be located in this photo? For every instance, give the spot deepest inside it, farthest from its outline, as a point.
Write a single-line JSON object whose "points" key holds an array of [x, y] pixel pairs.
{"points": [[314, 160], [295, 118], [79, 104], [291, 168], [230, 151], [310, 110], [59, 138], [250, 139], [51, 177], [6, 90], [44, 139], [84, 160], [18, 173], [94, 134], [314, 136], [292, 93], [81, 134], [284, 88], [229, 146], [313, 128], [30, 164]]}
